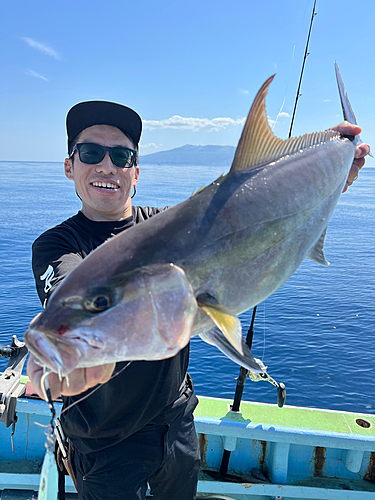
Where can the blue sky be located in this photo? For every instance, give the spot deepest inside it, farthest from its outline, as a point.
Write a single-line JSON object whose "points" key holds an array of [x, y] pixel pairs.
{"points": [[190, 68]]}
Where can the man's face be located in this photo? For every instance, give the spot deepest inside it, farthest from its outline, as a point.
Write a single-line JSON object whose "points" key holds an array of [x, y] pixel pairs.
{"points": [[103, 203]]}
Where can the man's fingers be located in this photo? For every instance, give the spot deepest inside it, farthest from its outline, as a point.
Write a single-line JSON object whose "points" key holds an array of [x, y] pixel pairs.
{"points": [[55, 385], [354, 171], [99, 374], [75, 383], [35, 373], [353, 174], [82, 379], [347, 128], [359, 162], [362, 150], [78, 381]]}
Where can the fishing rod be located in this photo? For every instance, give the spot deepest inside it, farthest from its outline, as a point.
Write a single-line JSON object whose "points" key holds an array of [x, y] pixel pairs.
{"points": [[238, 394], [298, 95], [243, 372]]}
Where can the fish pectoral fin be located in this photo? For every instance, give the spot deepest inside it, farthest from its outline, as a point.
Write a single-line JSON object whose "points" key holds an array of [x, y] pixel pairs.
{"points": [[316, 253], [224, 319], [247, 360], [258, 144]]}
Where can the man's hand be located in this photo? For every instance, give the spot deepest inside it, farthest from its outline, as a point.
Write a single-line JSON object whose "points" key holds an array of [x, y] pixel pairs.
{"points": [[80, 379], [361, 151]]}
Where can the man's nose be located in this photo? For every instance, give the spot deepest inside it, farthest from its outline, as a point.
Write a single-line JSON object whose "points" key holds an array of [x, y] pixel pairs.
{"points": [[106, 166]]}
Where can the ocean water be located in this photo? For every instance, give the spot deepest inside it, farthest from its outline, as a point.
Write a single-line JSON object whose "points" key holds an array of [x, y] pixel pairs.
{"points": [[315, 334]]}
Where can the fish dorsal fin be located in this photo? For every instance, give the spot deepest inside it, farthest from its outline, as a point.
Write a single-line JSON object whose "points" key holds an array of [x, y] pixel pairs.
{"points": [[194, 193], [316, 253], [224, 319], [258, 144]]}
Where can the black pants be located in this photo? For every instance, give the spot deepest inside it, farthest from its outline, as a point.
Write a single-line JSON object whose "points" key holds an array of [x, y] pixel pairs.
{"points": [[165, 456]]}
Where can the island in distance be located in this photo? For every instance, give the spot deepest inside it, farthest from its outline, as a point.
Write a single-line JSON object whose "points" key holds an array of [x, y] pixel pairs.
{"points": [[220, 156]]}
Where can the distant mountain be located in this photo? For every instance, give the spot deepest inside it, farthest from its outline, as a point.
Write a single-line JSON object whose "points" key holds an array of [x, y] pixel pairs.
{"points": [[221, 156]]}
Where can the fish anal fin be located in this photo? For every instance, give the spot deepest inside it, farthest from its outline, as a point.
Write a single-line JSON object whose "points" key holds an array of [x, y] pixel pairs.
{"points": [[227, 322], [246, 359], [259, 145], [316, 253]]}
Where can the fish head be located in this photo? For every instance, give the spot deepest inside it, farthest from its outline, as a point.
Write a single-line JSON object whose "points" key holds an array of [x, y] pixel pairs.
{"points": [[146, 314]]}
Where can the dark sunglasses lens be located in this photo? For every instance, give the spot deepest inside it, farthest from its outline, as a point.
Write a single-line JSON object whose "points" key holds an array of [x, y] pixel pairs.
{"points": [[122, 157], [91, 153]]}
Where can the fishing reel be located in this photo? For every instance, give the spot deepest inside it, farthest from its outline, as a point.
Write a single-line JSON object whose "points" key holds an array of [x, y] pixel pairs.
{"points": [[257, 377]]}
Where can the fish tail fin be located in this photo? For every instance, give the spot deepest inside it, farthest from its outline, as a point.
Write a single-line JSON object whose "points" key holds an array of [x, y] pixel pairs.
{"points": [[247, 360], [347, 109]]}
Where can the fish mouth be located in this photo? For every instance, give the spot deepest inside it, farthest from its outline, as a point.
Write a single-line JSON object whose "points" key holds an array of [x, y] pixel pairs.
{"points": [[57, 355]]}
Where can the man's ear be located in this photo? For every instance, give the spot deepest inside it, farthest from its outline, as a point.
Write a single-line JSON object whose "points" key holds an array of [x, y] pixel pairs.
{"points": [[136, 176], [68, 167]]}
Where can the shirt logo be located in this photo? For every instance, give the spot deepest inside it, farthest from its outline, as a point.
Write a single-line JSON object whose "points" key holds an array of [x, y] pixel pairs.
{"points": [[47, 277]]}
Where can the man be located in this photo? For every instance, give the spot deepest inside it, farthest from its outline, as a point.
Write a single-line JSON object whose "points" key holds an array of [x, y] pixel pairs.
{"points": [[138, 427]]}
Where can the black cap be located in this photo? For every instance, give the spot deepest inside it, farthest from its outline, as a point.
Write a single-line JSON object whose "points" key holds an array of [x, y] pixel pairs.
{"points": [[89, 113]]}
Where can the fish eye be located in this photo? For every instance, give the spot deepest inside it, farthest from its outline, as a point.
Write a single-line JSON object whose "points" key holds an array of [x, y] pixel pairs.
{"points": [[99, 300]]}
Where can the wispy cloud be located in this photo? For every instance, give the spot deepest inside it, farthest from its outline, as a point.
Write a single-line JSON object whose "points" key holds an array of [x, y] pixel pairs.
{"points": [[284, 114], [243, 91], [326, 100], [30, 72], [180, 122], [42, 47], [149, 146]]}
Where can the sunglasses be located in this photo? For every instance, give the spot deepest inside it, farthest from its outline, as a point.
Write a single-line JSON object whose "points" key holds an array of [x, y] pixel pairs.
{"points": [[92, 153]]}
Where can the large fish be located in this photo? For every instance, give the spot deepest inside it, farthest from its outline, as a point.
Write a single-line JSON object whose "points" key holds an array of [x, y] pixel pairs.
{"points": [[193, 268]]}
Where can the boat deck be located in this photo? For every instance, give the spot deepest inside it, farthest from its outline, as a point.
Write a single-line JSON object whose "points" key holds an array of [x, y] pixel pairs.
{"points": [[286, 453]]}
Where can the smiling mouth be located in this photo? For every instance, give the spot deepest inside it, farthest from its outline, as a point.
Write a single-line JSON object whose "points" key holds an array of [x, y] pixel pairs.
{"points": [[105, 185]]}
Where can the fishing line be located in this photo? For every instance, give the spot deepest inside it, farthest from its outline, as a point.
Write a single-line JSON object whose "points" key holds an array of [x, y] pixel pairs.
{"points": [[305, 11], [94, 390], [286, 89], [279, 113], [301, 395], [290, 69], [298, 95], [288, 80]]}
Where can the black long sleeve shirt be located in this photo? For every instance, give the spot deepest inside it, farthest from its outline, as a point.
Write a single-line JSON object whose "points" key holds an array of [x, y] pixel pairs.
{"points": [[145, 392]]}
